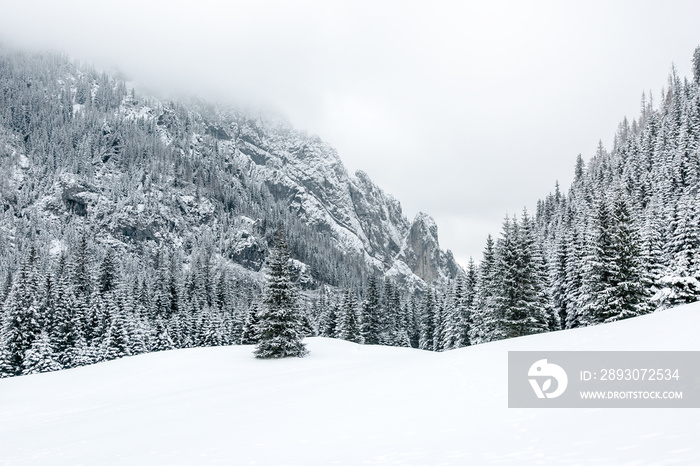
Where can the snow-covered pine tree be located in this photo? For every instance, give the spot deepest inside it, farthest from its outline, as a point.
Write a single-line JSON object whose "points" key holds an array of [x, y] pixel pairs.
{"points": [[172, 288], [576, 263], [178, 329], [107, 278], [519, 296], [80, 269], [142, 303], [205, 278], [212, 334], [250, 335], [439, 323], [21, 325], [427, 322], [542, 316], [134, 326], [307, 326], [558, 270], [6, 367], [596, 287], [450, 320], [221, 292], [116, 343], [484, 316], [40, 357], [230, 334], [328, 320], [390, 310], [458, 314], [685, 237], [507, 315], [652, 239], [616, 284], [402, 339], [69, 326], [631, 282], [349, 323], [471, 284], [161, 302], [96, 320], [6, 288], [371, 327], [199, 318], [161, 340], [318, 306], [280, 320], [412, 323], [45, 316], [236, 318]]}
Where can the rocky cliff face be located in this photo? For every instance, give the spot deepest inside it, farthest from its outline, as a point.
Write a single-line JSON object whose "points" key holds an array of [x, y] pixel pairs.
{"points": [[421, 252], [308, 174]]}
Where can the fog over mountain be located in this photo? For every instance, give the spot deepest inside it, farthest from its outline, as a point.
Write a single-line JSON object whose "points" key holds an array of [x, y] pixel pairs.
{"points": [[466, 111]]}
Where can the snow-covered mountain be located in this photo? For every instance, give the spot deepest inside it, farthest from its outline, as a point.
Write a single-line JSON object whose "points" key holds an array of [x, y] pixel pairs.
{"points": [[78, 147], [343, 404], [308, 174]]}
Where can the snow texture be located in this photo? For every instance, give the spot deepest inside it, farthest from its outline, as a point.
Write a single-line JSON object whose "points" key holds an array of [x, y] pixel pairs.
{"points": [[343, 404]]}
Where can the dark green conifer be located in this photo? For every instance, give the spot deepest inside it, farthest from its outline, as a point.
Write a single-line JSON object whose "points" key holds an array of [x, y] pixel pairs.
{"points": [[280, 319]]}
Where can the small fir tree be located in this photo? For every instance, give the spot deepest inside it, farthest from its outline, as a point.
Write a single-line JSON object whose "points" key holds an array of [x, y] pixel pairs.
{"points": [[280, 319]]}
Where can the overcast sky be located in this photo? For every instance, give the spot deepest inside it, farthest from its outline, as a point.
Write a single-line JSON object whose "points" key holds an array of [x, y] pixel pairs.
{"points": [[464, 110]]}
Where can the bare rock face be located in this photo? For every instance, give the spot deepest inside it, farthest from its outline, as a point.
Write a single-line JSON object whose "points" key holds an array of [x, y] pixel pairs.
{"points": [[77, 195], [422, 254], [307, 173], [422, 249], [247, 248], [380, 218]]}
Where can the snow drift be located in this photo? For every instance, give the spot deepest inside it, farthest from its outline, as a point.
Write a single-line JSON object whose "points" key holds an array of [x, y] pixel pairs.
{"points": [[343, 404]]}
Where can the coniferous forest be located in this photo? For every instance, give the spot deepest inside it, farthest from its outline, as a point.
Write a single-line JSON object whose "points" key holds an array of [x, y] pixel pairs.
{"points": [[128, 225]]}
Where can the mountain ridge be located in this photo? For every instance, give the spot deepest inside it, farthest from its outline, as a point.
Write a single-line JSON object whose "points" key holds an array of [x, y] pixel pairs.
{"points": [[221, 158]]}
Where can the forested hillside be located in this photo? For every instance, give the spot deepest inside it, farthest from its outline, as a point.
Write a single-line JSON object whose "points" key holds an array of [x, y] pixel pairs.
{"points": [[622, 242]]}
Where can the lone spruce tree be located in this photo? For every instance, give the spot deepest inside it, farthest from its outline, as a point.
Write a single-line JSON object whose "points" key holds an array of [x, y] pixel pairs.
{"points": [[280, 320]]}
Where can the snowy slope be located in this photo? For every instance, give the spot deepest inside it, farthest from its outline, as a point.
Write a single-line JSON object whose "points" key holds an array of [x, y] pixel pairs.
{"points": [[343, 404]]}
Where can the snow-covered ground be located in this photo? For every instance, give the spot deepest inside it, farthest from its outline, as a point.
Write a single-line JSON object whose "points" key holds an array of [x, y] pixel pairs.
{"points": [[343, 404]]}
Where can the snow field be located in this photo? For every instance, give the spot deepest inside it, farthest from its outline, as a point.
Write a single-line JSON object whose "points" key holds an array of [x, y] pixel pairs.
{"points": [[343, 404]]}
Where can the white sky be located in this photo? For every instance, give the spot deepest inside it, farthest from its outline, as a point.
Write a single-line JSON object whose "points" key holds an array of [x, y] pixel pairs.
{"points": [[464, 110]]}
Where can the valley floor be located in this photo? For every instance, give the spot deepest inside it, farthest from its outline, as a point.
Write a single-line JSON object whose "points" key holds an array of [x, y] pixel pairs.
{"points": [[344, 404]]}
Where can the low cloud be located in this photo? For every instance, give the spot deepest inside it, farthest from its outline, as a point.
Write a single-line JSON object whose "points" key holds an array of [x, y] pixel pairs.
{"points": [[463, 110]]}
